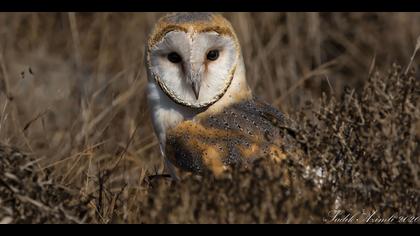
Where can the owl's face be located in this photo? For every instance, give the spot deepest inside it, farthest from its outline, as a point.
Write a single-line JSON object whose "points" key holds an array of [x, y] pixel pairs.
{"points": [[193, 61]]}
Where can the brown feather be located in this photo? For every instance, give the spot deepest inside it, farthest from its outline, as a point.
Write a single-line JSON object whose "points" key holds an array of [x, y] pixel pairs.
{"points": [[240, 134]]}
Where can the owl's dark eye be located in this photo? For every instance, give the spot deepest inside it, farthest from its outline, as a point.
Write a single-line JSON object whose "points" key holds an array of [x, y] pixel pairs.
{"points": [[174, 57], [213, 55]]}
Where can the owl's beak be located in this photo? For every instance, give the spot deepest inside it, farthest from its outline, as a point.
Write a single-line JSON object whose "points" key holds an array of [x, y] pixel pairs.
{"points": [[194, 76], [196, 89]]}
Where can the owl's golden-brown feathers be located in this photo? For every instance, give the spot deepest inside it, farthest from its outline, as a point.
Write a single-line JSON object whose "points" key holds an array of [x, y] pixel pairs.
{"points": [[193, 21], [240, 134]]}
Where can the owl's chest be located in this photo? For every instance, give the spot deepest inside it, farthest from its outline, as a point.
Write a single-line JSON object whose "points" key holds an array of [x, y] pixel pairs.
{"points": [[164, 112]]}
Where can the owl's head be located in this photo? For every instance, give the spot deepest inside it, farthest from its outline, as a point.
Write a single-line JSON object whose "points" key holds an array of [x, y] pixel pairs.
{"points": [[193, 57]]}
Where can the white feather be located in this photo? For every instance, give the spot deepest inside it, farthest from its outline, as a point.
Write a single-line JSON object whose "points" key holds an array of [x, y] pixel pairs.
{"points": [[193, 48]]}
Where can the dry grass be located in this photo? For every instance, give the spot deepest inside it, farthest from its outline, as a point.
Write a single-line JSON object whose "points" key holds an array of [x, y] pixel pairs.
{"points": [[72, 97]]}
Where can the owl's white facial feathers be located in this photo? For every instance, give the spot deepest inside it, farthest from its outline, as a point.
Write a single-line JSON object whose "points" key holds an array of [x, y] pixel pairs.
{"points": [[211, 78]]}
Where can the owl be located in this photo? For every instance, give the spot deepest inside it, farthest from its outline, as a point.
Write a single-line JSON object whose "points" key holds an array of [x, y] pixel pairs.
{"points": [[203, 110]]}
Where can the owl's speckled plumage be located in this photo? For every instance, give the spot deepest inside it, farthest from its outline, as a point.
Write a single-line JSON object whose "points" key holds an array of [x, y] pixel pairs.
{"points": [[239, 134], [224, 125]]}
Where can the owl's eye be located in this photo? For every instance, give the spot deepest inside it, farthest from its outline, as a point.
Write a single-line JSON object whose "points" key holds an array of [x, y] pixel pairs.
{"points": [[213, 55], [174, 57]]}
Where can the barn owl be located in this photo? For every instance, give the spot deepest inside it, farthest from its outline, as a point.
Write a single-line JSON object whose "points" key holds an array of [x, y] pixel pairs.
{"points": [[203, 110]]}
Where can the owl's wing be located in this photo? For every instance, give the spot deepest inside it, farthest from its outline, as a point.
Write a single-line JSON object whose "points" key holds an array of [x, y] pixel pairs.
{"points": [[276, 118], [239, 134]]}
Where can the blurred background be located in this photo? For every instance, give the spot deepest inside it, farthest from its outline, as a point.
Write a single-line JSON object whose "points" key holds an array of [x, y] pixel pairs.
{"points": [[72, 85]]}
